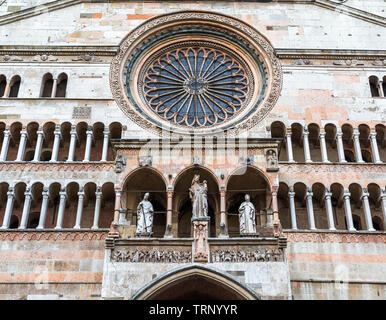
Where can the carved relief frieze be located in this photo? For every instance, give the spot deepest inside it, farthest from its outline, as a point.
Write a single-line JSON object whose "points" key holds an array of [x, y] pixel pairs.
{"points": [[54, 236], [152, 255], [335, 237], [258, 255]]}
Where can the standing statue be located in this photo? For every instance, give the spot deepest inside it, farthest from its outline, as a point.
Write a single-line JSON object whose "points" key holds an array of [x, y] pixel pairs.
{"points": [[145, 216], [198, 195], [247, 216]]}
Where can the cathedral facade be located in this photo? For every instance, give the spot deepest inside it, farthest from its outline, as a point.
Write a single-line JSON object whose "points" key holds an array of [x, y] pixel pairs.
{"points": [[193, 150]]}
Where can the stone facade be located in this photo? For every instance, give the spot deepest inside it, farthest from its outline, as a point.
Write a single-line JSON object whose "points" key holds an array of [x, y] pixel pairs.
{"points": [[75, 162]]}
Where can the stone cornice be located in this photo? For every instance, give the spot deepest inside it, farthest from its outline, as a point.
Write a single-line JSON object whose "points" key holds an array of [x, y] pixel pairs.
{"points": [[336, 237], [62, 167], [218, 143], [102, 50], [53, 235]]}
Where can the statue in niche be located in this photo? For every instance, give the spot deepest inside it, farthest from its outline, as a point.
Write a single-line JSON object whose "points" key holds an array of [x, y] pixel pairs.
{"points": [[198, 195], [145, 216], [247, 216], [272, 163], [120, 162], [200, 242]]}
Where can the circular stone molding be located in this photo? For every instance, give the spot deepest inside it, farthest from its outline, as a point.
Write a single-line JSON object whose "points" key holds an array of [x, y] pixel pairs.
{"points": [[195, 72]]}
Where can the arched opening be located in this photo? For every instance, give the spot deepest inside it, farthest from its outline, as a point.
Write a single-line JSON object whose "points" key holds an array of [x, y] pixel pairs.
{"points": [[320, 214], [332, 151], [14, 87], [107, 207], [297, 142], [115, 130], [381, 140], [3, 84], [15, 129], [96, 150], [278, 130], [356, 206], [377, 223], [247, 180], [384, 86], [61, 86], [182, 204], [338, 206], [47, 85], [314, 142], [373, 82], [195, 282], [300, 205], [33, 217], [14, 222], [283, 204], [136, 185]]}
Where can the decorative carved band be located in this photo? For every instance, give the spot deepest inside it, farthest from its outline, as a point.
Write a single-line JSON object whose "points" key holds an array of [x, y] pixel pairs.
{"points": [[56, 236], [334, 168], [335, 237], [171, 256], [259, 255], [81, 167]]}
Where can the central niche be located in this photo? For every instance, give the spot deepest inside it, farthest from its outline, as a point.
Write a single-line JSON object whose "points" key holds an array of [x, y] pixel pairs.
{"points": [[195, 73], [196, 84]]}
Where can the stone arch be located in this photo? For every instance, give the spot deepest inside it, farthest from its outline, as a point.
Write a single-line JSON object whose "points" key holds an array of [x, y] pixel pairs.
{"points": [[320, 215], [14, 86], [47, 86], [193, 280], [356, 206], [182, 205], [297, 141], [3, 84], [300, 190], [61, 85], [247, 180], [330, 129], [337, 203], [374, 83], [136, 184]]}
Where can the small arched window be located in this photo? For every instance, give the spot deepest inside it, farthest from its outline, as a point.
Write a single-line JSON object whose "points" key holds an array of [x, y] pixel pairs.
{"points": [[384, 86], [14, 87], [61, 86], [47, 84], [3, 84], [373, 82]]}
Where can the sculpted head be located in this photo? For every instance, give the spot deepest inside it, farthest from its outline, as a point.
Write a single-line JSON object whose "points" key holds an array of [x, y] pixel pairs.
{"points": [[146, 196], [247, 198]]}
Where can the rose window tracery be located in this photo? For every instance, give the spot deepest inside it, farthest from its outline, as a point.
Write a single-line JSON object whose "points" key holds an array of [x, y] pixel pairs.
{"points": [[196, 86]]}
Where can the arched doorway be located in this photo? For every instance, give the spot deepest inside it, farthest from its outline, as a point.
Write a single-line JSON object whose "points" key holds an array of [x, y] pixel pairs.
{"points": [[182, 203], [246, 180], [195, 282], [136, 185]]}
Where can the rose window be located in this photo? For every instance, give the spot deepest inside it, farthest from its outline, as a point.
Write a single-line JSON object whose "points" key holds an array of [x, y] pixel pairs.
{"points": [[196, 86]]}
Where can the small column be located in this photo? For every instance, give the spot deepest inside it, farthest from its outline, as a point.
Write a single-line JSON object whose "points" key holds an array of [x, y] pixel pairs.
{"points": [[8, 208], [73, 138], [7, 90], [323, 146], [38, 147], [339, 142], [106, 135], [223, 223], [117, 205], [306, 146], [54, 87], [98, 200], [330, 217], [380, 89], [22, 143], [291, 196], [288, 140], [88, 145], [79, 209], [4, 147], [366, 209], [62, 206], [374, 146], [55, 148], [383, 204], [347, 209], [43, 210], [310, 209], [26, 208], [169, 213], [357, 146]]}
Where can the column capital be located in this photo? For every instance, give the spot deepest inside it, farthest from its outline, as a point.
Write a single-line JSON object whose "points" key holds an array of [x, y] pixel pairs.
{"points": [[81, 193], [11, 192], [45, 193], [106, 132], [355, 133], [63, 194], [327, 194], [24, 133], [346, 193], [373, 134], [89, 133], [365, 193], [291, 194], [40, 132], [322, 134], [57, 133], [28, 192], [309, 193], [288, 132], [305, 132], [7, 132], [98, 194]]}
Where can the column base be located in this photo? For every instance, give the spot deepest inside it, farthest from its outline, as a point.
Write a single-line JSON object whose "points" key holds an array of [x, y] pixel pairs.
{"points": [[58, 228], [94, 228], [360, 161], [168, 232], [371, 229], [378, 162], [352, 230], [342, 161]]}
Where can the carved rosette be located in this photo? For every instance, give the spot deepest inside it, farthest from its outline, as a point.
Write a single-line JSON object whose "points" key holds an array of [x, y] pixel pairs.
{"points": [[185, 53]]}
